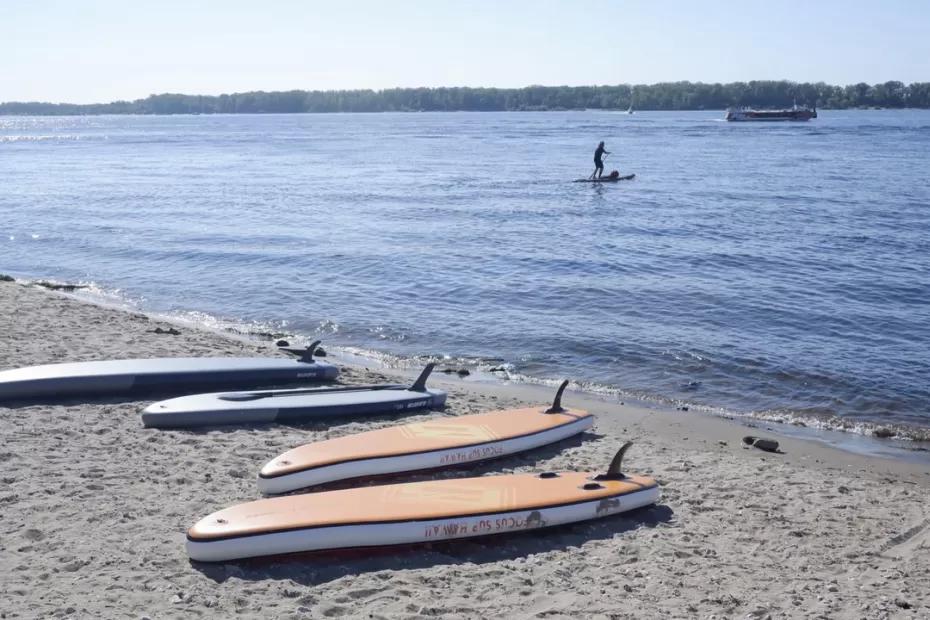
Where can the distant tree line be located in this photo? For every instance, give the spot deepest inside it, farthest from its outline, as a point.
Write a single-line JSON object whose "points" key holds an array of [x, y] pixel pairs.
{"points": [[663, 96]]}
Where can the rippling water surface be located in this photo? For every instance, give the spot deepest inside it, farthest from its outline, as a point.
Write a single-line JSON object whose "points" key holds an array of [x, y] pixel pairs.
{"points": [[755, 268]]}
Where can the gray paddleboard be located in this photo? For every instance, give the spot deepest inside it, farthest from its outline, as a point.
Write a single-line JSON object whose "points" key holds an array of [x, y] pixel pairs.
{"points": [[138, 376], [292, 405], [628, 177]]}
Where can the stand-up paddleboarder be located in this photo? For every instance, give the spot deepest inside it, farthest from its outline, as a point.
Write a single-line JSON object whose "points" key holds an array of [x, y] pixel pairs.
{"points": [[598, 161]]}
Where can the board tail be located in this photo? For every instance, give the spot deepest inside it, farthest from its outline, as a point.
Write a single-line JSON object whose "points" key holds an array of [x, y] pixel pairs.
{"points": [[557, 401], [420, 384]]}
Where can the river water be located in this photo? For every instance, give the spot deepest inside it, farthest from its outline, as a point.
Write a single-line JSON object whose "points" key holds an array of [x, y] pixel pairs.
{"points": [[774, 270]]}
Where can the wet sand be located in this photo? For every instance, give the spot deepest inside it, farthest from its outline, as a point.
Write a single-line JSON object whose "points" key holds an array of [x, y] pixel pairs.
{"points": [[95, 508]]}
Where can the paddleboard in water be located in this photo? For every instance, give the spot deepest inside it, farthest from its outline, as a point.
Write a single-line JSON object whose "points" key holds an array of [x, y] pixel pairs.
{"points": [[138, 376], [607, 179], [423, 445], [293, 405], [416, 512]]}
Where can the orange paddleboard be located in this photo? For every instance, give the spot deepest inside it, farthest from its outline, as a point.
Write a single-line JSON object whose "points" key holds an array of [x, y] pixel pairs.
{"points": [[432, 444], [415, 512]]}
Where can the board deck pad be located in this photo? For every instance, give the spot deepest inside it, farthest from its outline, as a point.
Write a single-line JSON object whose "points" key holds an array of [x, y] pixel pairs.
{"points": [[134, 376], [430, 444], [413, 512], [292, 405]]}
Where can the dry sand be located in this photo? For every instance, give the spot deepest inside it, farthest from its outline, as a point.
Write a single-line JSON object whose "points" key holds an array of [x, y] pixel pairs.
{"points": [[95, 508]]}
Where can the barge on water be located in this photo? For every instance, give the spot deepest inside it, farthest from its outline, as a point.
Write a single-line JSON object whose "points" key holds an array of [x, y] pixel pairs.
{"points": [[791, 114]]}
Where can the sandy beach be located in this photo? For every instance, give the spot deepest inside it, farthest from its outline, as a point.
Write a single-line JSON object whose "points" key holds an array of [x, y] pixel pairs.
{"points": [[95, 509]]}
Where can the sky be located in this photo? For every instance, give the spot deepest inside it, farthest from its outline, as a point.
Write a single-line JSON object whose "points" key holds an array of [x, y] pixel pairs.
{"points": [[84, 51]]}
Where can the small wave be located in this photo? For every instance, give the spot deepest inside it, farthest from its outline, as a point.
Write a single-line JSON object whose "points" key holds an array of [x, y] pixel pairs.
{"points": [[898, 431], [261, 330], [56, 137], [91, 291], [88, 290]]}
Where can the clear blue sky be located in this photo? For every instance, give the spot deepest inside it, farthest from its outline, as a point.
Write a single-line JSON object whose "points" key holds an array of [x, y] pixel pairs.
{"points": [[101, 50]]}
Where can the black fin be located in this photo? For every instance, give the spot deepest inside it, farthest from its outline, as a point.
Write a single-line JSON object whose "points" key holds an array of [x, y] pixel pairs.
{"points": [[305, 355], [557, 401], [420, 384], [613, 471], [308, 354]]}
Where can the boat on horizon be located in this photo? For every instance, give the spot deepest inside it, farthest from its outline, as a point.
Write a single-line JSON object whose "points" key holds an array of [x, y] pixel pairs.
{"points": [[794, 113]]}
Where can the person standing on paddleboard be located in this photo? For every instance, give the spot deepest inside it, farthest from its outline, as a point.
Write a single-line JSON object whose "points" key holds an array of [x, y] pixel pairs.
{"points": [[598, 162]]}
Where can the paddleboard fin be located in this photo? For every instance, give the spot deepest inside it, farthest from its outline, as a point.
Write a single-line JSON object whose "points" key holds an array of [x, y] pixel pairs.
{"points": [[613, 471], [557, 401], [420, 384], [305, 355]]}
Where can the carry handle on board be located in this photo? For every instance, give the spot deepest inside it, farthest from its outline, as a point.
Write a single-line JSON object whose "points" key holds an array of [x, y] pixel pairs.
{"points": [[557, 401], [305, 355], [418, 386]]}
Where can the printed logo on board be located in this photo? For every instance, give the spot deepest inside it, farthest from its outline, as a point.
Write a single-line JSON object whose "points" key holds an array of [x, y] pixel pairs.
{"points": [[478, 526], [417, 404], [475, 454], [534, 519], [606, 506]]}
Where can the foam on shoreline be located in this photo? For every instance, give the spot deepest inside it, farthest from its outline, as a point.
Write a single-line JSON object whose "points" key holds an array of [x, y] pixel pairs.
{"points": [[898, 439]]}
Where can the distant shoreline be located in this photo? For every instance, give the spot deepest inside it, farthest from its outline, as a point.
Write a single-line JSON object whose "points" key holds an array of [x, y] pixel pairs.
{"points": [[668, 96], [553, 110]]}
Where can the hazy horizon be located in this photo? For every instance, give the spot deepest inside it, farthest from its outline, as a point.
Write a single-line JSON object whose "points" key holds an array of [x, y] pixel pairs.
{"points": [[103, 50]]}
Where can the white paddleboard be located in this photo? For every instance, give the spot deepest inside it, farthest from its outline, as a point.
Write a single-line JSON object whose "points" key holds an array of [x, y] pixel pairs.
{"points": [[442, 442], [417, 512], [293, 405], [139, 376]]}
